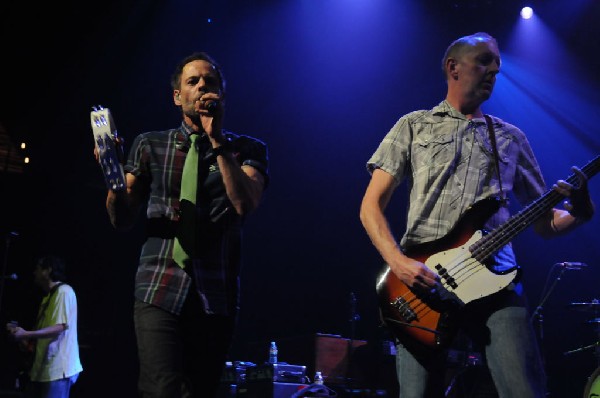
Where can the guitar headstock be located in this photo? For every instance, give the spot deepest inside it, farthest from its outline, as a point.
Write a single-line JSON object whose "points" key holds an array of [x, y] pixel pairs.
{"points": [[109, 152]]}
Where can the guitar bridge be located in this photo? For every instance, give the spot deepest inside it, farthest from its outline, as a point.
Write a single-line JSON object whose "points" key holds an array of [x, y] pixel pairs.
{"points": [[406, 312]]}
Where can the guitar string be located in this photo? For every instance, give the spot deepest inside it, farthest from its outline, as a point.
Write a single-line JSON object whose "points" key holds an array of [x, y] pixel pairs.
{"points": [[525, 217], [519, 222], [468, 268]]}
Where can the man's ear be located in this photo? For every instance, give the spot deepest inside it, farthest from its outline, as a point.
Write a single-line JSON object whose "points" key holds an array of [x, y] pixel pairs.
{"points": [[451, 68], [176, 96]]}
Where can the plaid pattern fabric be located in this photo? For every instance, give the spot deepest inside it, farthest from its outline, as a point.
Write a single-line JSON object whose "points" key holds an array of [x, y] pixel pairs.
{"points": [[157, 158], [449, 164]]}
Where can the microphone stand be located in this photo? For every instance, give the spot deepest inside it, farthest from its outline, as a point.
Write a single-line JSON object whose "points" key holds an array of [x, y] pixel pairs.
{"points": [[353, 318], [538, 312], [4, 265]]}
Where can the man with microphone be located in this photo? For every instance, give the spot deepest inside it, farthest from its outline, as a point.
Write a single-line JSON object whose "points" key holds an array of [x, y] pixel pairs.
{"points": [[199, 182]]}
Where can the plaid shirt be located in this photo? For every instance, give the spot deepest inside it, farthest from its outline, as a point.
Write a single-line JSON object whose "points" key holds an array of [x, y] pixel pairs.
{"points": [[449, 162], [157, 158]]}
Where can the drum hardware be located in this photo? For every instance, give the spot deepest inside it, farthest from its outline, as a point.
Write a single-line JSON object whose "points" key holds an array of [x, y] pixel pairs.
{"points": [[592, 388], [593, 306], [584, 348], [537, 317]]}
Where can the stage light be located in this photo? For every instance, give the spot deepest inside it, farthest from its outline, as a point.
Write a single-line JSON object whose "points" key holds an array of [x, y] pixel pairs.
{"points": [[526, 12]]}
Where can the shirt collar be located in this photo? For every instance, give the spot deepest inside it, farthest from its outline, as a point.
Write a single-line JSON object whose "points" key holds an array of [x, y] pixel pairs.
{"points": [[445, 109]]}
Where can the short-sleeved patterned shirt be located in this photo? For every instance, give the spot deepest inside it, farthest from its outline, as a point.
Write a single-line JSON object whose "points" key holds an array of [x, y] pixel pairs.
{"points": [[157, 159], [448, 162]]}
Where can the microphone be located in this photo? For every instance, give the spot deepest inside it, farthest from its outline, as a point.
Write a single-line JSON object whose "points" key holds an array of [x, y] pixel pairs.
{"points": [[211, 106], [571, 265], [14, 277]]}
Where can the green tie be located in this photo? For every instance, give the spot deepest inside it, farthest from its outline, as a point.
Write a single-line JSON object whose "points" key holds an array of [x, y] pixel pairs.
{"points": [[185, 239]]}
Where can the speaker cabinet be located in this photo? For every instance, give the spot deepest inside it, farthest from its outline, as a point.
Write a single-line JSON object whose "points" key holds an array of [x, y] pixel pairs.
{"points": [[329, 354]]}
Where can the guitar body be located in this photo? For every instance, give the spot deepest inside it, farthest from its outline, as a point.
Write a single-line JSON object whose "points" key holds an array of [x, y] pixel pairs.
{"points": [[109, 154], [459, 260], [429, 319], [26, 351]]}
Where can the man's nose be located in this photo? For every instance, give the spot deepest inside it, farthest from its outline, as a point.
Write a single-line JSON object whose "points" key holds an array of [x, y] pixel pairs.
{"points": [[494, 68], [201, 84]]}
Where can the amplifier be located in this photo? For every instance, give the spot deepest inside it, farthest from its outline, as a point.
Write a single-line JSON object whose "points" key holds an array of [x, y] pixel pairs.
{"points": [[326, 353], [280, 372], [235, 372]]}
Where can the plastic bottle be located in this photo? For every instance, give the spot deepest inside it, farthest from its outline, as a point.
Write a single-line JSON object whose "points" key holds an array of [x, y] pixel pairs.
{"points": [[318, 378], [273, 352]]}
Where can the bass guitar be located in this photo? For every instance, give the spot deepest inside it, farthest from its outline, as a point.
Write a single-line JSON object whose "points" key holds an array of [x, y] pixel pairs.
{"points": [[459, 258]]}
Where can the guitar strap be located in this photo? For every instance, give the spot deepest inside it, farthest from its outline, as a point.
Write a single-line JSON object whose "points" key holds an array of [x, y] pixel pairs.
{"points": [[490, 127], [42, 311], [31, 346], [504, 199]]}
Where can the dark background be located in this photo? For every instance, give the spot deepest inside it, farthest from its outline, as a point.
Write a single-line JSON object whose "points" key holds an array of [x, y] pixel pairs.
{"points": [[321, 82]]}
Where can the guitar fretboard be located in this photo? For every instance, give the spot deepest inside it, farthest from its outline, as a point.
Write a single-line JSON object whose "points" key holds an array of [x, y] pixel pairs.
{"points": [[516, 224]]}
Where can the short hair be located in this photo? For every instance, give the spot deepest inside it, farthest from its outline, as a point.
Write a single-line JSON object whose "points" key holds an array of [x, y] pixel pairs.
{"points": [[458, 46], [202, 56], [56, 264]]}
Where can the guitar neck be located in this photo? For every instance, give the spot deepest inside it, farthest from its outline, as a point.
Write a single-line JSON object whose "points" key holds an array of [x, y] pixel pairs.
{"points": [[516, 224]]}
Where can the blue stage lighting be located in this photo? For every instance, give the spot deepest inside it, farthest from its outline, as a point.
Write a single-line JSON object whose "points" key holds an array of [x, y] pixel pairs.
{"points": [[526, 12]]}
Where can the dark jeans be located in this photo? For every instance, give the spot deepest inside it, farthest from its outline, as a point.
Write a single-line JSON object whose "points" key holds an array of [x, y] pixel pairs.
{"points": [[181, 356]]}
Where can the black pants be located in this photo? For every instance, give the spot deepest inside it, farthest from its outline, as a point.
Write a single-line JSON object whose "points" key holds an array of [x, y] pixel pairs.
{"points": [[181, 356]]}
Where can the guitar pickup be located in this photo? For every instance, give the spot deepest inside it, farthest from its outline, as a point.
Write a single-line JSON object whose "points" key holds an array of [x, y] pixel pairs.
{"points": [[443, 273], [406, 312]]}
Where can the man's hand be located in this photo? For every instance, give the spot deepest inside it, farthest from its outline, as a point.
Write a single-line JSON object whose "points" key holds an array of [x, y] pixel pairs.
{"points": [[210, 108], [417, 276], [16, 332], [578, 202], [119, 145]]}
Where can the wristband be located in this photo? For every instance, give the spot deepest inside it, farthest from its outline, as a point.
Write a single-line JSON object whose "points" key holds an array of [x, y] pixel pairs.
{"points": [[224, 147]]}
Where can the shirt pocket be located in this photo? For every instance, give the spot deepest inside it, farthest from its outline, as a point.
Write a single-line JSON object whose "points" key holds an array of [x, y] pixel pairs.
{"points": [[436, 150]]}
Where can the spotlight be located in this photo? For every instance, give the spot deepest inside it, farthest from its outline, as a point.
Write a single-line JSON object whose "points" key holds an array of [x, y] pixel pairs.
{"points": [[526, 12]]}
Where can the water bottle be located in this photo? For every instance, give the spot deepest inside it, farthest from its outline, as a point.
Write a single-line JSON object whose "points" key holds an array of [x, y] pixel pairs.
{"points": [[318, 378], [273, 352]]}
